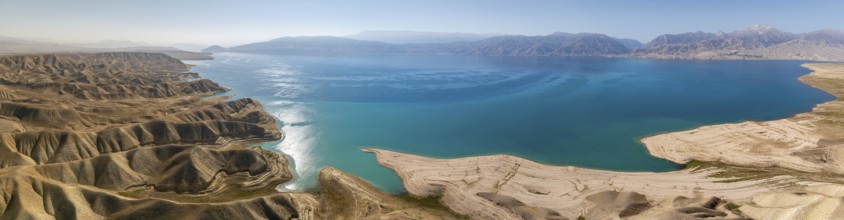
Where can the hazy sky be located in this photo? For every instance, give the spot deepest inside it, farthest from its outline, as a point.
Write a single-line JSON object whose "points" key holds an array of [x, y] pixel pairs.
{"points": [[235, 22]]}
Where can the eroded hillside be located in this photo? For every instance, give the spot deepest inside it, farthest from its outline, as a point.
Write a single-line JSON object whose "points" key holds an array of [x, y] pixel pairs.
{"points": [[130, 136]]}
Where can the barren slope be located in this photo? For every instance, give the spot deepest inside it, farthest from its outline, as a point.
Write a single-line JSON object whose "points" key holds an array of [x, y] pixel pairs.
{"points": [[128, 136]]}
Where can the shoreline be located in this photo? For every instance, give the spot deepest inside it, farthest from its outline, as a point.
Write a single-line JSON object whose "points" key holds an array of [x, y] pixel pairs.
{"points": [[464, 182], [634, 142], [115, 151], [562, 189], [798, 131]]}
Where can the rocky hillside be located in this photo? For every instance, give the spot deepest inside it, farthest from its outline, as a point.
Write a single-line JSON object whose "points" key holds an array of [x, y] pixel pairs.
{"points": [[314, 45], [825, 45], [416, 37], [127, 136], [557, 44], [754, 42], [13, 46]]}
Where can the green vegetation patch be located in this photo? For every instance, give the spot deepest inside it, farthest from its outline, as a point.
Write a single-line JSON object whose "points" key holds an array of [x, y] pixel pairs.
{"points": [[733, 208], [225, 196], [430, 202], [731, 173]]}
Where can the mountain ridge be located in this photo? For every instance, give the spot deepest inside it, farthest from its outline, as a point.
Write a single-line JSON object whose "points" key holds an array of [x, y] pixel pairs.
{"points": [[751, 42], [555, 44], [16, 46], [416, 37]]}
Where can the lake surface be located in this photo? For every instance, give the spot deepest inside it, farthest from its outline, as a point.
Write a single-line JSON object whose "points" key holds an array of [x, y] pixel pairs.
{"points": [[588, 112]]}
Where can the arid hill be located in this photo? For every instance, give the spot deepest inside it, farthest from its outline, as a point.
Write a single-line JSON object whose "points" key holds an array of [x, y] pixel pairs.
{"points": [[129, 136]]}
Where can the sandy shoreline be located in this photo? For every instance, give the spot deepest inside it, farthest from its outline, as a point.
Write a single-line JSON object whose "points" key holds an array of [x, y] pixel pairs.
{"points": [[803, 142], [802, 148], [562, 189]]}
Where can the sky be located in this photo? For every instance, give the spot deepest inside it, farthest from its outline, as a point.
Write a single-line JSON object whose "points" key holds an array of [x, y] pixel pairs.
{"points": [[236, 22]]}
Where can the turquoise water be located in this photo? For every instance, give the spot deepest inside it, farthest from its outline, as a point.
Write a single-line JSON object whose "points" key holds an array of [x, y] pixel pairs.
{"points": [[588, 112]]}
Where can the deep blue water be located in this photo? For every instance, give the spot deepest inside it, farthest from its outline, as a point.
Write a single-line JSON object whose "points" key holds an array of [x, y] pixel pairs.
{"points": [[588, 112]]}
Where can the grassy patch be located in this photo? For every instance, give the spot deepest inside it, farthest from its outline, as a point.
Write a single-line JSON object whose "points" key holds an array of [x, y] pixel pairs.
{"points": [[431, 202], [731, 173], [733, 208], [428, 202], [225, 196], [695, 165], [136, 193]]}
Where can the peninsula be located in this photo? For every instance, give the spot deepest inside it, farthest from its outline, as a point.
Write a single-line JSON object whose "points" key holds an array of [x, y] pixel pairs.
{"points": [[782, 169]]}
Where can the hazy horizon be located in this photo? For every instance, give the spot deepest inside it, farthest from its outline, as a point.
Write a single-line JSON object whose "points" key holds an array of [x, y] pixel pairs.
{"points": [[225, 23]]}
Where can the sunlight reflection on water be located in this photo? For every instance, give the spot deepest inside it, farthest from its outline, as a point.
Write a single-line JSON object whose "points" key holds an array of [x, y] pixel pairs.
{"points": [[298, 142], [296, 122]]}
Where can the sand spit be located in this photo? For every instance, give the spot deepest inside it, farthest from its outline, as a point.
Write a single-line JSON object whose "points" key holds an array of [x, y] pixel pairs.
{"points": [[808, 142]]}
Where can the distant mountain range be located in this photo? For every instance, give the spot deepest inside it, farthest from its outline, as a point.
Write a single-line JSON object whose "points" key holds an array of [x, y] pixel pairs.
{"points": [[312, 45], [556, 44], [753, 42], [14, 46], [417, 37]]}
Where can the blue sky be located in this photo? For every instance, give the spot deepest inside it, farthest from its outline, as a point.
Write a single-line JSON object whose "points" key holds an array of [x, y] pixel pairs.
{"points": [[235, 22]]}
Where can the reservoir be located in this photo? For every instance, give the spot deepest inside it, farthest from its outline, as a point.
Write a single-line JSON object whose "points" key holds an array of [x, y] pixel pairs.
{"points": [[580, 111]]}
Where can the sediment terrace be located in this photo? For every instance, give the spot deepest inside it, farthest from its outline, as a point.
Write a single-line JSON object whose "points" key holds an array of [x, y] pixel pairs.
{"points": [[130, 136], [809, 142]]}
